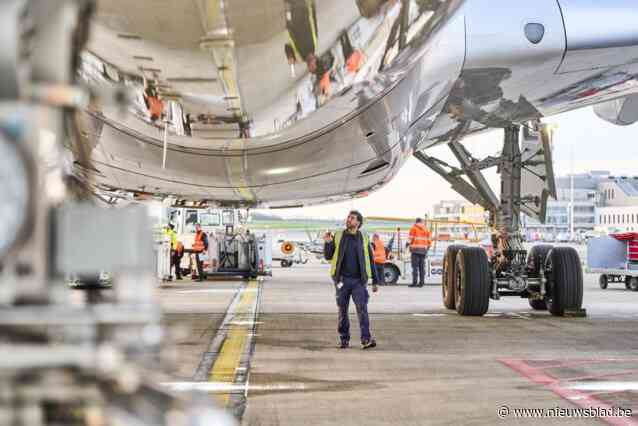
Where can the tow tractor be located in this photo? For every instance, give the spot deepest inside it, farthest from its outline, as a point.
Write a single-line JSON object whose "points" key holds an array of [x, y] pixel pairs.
{"points": [[232, 249], [551, 278], [398, 264], [615, 258]]}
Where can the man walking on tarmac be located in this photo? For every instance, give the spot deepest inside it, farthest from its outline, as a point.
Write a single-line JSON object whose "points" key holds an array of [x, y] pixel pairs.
{"points": [[352, 265], [200, 245], [420, 240]]}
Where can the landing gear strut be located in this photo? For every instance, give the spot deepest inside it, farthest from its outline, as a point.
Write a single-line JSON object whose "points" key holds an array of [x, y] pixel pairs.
{"points": [[549, 277]]}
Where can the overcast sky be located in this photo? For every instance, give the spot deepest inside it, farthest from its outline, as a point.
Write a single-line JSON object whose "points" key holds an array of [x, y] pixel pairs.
{"points": [[595, 144]]}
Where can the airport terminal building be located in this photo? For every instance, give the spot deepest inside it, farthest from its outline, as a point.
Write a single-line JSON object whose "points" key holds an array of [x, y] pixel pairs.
{"points": [[618, 205], [602, 202]]}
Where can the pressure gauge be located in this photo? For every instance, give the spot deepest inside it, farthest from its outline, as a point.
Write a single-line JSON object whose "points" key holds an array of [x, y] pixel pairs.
{"points": [[15, 194]]}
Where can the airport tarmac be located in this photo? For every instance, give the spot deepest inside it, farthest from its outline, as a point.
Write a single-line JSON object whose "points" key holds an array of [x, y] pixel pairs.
{"points": [[266, 350]]}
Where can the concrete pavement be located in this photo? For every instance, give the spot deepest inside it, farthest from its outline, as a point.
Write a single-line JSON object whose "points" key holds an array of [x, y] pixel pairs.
{"points": [[431, 366]]}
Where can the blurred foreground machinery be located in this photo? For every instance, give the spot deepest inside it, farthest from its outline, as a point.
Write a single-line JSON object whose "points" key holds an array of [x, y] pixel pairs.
{"points": [[64, 361]]}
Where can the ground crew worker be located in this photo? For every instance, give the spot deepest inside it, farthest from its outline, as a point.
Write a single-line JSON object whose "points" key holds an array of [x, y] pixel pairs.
{"points": [[169, 231], [176, 260], [420, 240], [200, 245], [350, 253], [153, 102], [379, 257]]}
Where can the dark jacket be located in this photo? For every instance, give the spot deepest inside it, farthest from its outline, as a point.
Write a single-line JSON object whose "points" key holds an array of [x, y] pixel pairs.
{"points": [[329, 251], [205, 239]]}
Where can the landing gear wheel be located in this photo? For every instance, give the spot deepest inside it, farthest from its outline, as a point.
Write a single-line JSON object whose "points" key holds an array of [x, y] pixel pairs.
{"points": [[536, 258], [449, 272], [390, 274], [627, 280], [472, 282], [535, 261], [603, 281], [538, 305], [564, 280], [633, 284]]}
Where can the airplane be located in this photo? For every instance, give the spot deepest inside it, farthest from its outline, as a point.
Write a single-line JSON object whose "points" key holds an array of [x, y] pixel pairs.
{"points": [[290, 103]]}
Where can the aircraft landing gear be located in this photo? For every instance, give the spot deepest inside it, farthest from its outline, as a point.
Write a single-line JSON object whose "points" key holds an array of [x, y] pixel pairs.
{"points": [[551, 278]]}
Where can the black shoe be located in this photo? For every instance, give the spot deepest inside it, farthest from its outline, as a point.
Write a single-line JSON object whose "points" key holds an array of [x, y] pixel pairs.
{"points": [[343, 344], [421, 285], [413, 285], [367, 344], [179, 278]]}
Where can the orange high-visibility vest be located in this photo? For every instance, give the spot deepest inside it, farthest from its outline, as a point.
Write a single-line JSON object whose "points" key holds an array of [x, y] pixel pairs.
{"points": [[420, 237], [198, 244], [379, 251], [354, 62], [156, 107]]}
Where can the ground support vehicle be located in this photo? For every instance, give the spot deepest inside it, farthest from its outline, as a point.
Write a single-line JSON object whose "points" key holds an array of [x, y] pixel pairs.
{"points": [[238, 254], [288, 253], [232, 249], [398, 266], [612, 257]]}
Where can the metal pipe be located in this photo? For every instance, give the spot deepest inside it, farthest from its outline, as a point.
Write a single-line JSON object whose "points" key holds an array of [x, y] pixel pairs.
{"points": [[165, 144]]}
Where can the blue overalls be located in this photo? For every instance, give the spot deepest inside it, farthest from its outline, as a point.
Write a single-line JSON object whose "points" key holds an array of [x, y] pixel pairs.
{"points": [[344, 290]]}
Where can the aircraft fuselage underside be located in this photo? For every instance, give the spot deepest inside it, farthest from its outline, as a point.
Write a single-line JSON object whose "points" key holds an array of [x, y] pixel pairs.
{"points": [[475, 65]]}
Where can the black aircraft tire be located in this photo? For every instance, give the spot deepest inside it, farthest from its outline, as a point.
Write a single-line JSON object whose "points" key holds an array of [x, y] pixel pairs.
{"points": [[565, 280], [472, 291], [633, 284], [536, 258], [538, 305], [603, 281], [449, 272]]}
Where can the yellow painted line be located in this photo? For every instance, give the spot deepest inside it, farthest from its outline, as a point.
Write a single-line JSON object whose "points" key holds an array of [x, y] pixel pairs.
{"points": [[225, 366]]}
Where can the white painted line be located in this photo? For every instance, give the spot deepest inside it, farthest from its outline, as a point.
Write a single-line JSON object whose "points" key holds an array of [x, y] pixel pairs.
{"points": [[223, 387], [430, 315], [245, 322], [514, 314], [217, 290], [604, 386]]}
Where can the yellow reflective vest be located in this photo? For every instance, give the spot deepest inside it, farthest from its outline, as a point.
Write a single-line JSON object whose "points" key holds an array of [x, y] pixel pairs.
{"points": [[173, 236], [366, 254]]}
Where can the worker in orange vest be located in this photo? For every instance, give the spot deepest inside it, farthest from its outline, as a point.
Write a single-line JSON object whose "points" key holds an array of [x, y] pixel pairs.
{"points": [[379, 257], [200, 245], [420, 241]]}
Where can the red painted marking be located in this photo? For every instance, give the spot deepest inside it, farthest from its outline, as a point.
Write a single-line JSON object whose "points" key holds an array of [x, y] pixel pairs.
{"points": [[574, 396]]}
